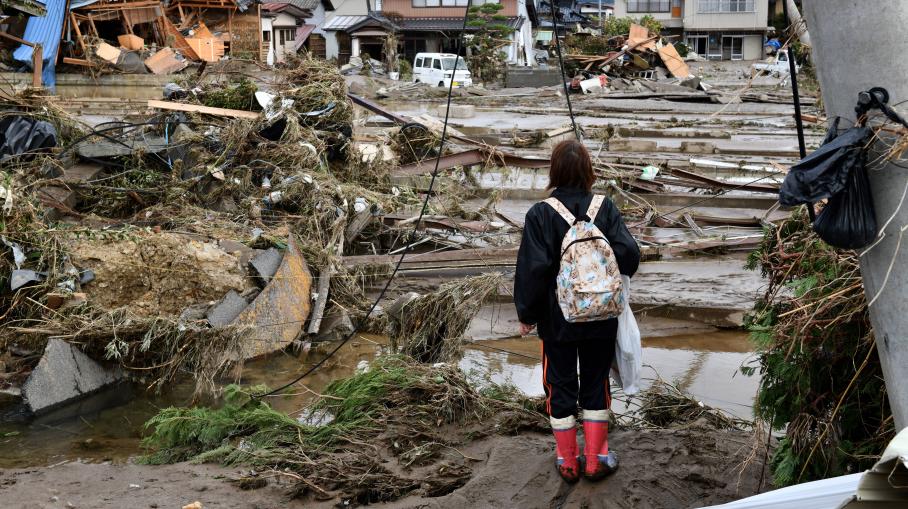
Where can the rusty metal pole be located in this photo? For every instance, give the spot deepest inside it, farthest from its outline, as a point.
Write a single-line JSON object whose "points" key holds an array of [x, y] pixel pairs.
{"points": [[857, 46]]}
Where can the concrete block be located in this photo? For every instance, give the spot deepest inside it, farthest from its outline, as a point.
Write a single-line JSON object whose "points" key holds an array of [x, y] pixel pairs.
{"points": [[225, 311], [457, 111], [396, 308], [336, 324], [65, 374], [627, 145], [698, 147], [266, 263]]}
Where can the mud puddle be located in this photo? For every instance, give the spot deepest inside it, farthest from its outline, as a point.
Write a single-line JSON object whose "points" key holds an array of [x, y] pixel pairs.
{"points": [[705, 365]]}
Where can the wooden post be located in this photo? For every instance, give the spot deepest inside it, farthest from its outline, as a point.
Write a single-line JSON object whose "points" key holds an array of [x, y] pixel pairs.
{"points": [[37, 64], [260, 34], [75, 24]]}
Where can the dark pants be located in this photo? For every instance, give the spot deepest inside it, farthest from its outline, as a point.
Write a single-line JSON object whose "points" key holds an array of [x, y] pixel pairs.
{"points": [[559, 375]]}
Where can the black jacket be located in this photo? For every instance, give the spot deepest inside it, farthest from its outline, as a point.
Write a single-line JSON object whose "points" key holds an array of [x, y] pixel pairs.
{"points": [[540, 256]]}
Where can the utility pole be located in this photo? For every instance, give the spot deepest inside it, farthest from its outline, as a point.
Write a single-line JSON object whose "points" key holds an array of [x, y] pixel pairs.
{"points": [[856, 46]]}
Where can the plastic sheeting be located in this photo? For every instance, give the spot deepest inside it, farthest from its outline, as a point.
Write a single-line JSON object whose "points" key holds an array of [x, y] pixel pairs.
{"points": [[46, 31], [21, 135], [825, 171], [884, 485]]}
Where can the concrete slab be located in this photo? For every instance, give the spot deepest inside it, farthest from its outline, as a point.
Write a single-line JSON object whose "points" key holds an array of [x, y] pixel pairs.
{"points": [[336, 324], [226, 311], [266, 263], [65, 374]]}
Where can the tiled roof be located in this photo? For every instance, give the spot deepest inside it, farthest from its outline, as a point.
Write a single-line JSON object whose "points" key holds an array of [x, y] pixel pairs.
{"points": [[446, 24]]}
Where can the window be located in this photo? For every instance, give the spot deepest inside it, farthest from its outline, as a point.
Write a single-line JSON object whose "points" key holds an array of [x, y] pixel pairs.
{"points": [[266, 36], [286, 35], [418, 62], [713, 6], [449, 64], [649, 5], [451, 3], [436, 64], [732, 47], [699, 44]]}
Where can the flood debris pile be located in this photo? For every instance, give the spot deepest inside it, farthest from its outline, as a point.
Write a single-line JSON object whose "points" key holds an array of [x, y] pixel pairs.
{"points": [[663, 405], [429, 328], [339, 447], [821, 379], [239, 219]]}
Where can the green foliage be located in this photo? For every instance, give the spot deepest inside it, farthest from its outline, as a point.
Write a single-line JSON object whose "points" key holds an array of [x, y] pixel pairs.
{"points": [[820, 376], [682, 49], [185, 433], [235, 96], [406, 69], [622, 26], [485, 57]]}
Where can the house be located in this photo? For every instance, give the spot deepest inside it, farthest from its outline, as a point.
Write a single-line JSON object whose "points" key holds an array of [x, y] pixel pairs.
{"points": [[714, 29], [290, 26], [419, 25], [592, 8]]}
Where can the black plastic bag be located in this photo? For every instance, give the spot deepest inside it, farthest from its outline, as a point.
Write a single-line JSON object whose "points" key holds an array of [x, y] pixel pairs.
{"points": [[825, 172], [849, 221], [25, 135]]}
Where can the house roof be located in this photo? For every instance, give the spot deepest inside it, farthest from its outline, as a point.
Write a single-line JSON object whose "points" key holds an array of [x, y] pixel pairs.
{"points": [[343, 22], [308, 4], [302, 33], [287, 8], [446, 24]]}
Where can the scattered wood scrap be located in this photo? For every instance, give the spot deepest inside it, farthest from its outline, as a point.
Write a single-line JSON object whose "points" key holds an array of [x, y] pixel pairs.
{"points": [[208, 110]]}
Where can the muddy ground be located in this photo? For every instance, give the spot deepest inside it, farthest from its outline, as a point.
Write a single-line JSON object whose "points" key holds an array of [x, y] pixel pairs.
{"points": [[683, 468]]}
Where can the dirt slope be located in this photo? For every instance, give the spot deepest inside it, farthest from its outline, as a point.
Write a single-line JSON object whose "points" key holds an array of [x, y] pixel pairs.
{"points": [[668, 469]]}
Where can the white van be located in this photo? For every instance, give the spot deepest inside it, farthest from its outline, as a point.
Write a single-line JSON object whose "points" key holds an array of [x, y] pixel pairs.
{"points": [[436, 69]]}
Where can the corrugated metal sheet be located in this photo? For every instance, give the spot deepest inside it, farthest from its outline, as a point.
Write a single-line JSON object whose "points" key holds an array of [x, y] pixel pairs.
{"points": [[46, 31], [342, 22], [302, 33]]}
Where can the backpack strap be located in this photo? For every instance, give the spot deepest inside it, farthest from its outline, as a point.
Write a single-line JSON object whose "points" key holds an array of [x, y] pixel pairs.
{"points": [[595, 205], [562, 211]]}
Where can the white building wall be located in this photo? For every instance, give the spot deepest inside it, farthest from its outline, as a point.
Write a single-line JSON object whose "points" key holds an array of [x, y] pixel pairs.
{"points": [[755, 20], [332, 48], [666, 18]]}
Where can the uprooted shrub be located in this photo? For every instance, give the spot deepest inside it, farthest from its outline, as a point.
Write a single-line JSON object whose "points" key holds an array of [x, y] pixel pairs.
{"points": [[821, 379]]}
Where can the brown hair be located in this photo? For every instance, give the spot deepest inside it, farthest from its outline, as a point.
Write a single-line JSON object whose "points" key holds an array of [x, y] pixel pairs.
{"points": [[571, 166]]}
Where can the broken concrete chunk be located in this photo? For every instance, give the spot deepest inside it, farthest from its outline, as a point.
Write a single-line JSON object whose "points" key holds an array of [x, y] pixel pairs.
{"points": [[266, 263], [65, 374], [226, 311], [108, 53], [458, 111], [22, 277], [397, 307], [336, 325]]}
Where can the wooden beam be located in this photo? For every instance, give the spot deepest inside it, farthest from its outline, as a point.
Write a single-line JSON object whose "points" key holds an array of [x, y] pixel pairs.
{"points": [[37, 64], [77, 61], [16, 39], [208, 110], [75, 24]]}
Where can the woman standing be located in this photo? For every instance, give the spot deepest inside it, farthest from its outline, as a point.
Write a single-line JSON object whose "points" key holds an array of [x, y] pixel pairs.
{"points": [[593, 343]]}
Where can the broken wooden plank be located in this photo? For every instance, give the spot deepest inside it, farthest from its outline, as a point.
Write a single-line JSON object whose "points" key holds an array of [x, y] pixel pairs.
{"points": [[179, 42], [321, 301], [639, 37], [197, 108], [470, 158], [673, 61]]}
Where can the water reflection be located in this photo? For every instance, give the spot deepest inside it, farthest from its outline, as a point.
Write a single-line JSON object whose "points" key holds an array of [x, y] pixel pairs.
{"points": [[706, 365]]}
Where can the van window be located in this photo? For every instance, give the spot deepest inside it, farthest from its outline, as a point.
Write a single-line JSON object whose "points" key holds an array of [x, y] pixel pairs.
{"points": [[418, 62], [436, 64]]}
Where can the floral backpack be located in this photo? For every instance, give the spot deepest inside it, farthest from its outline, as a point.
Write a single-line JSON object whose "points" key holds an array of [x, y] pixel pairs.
{"points": [[589, 286]]}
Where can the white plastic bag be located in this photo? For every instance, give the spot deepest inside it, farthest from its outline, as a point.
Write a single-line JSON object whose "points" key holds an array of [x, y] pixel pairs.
{"points": [[628, 363]]}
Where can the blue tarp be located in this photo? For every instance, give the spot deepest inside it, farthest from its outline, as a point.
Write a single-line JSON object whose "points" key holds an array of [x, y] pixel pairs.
{"points": [[46, 31]]}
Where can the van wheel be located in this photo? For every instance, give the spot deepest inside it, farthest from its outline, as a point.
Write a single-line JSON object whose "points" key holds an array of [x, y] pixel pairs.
{"points": [[415, 81], [441, 84]]}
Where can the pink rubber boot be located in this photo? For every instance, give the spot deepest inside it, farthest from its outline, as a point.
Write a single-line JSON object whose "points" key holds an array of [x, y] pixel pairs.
{"points": [[599, 462], [565, 431]]}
